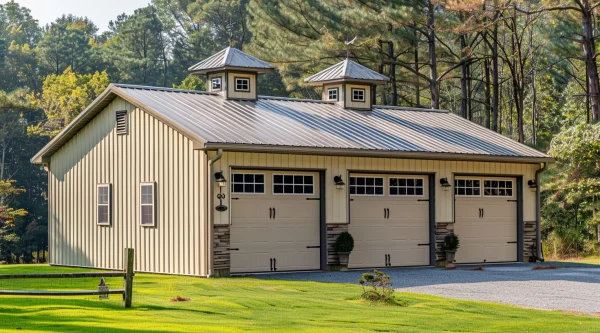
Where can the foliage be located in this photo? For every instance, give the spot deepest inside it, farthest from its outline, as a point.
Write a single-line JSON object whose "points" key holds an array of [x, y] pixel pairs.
{"points": [[191, 82], [377, 287], [451, 242], [64, 96], [572, 190], [344, 242]]}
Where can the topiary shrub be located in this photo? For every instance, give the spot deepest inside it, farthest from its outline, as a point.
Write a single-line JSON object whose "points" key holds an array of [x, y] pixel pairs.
{"points": [[451, 242], [344, 243]]}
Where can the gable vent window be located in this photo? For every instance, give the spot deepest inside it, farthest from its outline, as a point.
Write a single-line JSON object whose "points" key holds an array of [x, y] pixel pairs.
{"points": [[216, 84], [358, 95], [121, 117], [242, 84], [332, 94]]}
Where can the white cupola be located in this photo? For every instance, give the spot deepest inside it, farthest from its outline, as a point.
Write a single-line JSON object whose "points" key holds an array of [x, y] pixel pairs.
{"points": [[348, 83], [232, 73]]}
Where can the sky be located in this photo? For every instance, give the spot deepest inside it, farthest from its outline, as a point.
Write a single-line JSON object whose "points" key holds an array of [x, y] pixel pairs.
{"points": [[99, 11]]}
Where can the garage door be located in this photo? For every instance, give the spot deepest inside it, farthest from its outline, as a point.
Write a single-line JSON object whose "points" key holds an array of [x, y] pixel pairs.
{"points": [[486, 219], [389, 220], [275, 221]]}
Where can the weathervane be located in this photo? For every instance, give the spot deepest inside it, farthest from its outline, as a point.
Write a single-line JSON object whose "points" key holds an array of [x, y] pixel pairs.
{"points": [[348, 43]]}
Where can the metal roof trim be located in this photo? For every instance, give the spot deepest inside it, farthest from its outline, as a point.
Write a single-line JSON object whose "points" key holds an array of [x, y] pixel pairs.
{"points": [[291, 99], [304, 150], [407, 108]]}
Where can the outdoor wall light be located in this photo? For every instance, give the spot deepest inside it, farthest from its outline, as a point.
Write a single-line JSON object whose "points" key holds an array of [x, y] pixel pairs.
{"points": [[339, 182], [445, 184], [532, 185], [220, 179]]}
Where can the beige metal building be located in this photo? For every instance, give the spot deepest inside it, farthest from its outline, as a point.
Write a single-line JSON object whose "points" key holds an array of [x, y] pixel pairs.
{"points": [[208, 183]]}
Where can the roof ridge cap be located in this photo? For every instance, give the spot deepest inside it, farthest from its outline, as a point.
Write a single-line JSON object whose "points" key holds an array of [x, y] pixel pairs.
{"points": [[408, 108], [226, 56], [345, 68], [293, 99]]}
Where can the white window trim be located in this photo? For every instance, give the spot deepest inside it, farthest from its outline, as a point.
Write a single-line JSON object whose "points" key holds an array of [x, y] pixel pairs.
{"points": [[235, 86], [212, 88], [389, 186], [469, 196], [512, 184], [282, 174], [364, 95], [367, 195], [244, 183], [337, 97], [109, 204], [153, 204]]}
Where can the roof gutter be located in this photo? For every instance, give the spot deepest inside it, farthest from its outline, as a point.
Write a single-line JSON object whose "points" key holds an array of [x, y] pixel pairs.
{"points": [[242, 147], [211, 222], [538, 215]]}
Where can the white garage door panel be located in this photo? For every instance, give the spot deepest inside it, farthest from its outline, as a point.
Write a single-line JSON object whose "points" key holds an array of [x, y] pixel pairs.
{"points": [[399, 235], [259, 237], [491, 238]]}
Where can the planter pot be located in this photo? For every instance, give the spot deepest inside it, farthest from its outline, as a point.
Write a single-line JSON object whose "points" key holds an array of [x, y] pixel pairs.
{"points": [[344, 257], [450, 259]]}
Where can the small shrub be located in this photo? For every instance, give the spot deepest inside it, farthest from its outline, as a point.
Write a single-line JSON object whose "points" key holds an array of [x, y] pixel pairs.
{"points": [[377, 287], [344, 242], [451, 242]]}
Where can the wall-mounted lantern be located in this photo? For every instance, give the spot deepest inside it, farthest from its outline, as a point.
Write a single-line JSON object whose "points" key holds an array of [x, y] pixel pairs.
{"points": [[445, 184], [220, 179], [339, 182], [533, 186]]}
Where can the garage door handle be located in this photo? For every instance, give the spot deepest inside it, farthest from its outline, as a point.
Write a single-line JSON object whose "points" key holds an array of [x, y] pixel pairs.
{"points": [[313, 198], [235, 198], [422, 199], [274, 212], [511, 200], [270, 212], [233, 249], [314, 247], [482, 212], [511, 242], [424, 244], [271, 265]]}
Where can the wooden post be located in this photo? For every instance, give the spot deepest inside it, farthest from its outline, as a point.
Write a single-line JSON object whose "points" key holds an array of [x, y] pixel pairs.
{"points": [[128, 280]]}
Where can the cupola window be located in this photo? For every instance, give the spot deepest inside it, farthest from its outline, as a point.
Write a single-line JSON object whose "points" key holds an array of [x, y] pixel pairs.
{"points": [[358, 95], [332, 94]]}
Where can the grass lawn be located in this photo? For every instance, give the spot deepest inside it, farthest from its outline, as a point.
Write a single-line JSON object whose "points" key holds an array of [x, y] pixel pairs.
{"points": [[253, 305], [592, 260]]}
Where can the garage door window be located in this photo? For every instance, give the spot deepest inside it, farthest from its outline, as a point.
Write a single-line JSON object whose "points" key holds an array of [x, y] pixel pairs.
{"points": [[406, 186], [497, 188], [248, 183], [293, 184], [366, 186], [467, 187]]}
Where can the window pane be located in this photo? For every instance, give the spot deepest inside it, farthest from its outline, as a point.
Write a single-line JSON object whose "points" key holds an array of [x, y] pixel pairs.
{"points": [[370, 181], [238, 177], [360, 181], [393, 191], [103, 214], [103, 195], [308, 189], [259, 188], [410, 182], [402, 191], [419, 182], [379, 181], [147, 214], [278, 179], [352, 190], [249, 188], [288, 179], [249, 178], [393, 181], [476, 191], [379, 190], [147, 194], [289, 189], [259, 178], [352, 180], [278, 189], [370, 190], [419, 191], [360, 190], [410, 191], [402, 182], [298, 180], [308, 180], [238, 188]]}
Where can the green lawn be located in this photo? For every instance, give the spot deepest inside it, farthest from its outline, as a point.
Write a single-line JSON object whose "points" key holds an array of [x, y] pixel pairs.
{"points": [[253, 305], [592, 260]]}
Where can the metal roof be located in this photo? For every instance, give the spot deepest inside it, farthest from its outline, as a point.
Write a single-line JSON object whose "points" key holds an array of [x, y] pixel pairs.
{"points": [[305, 126], [230, 58], [347, 70]]}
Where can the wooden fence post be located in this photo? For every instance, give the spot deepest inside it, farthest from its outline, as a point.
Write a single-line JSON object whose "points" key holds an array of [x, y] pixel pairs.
{"points": [[128, 280]]}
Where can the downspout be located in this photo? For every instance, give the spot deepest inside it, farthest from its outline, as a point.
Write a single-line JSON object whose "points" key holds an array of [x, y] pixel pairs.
{"points": [[210, 223], [538, 215]]}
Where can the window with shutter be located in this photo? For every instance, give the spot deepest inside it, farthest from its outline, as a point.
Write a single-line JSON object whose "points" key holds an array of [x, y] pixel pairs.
{"points": [[121, 117]]}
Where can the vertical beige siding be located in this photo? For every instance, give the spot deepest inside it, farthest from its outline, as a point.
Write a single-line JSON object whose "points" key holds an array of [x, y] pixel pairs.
{"points": [[231, 93], [337, 200], [325, 94], [151, 151], [358, 105]]}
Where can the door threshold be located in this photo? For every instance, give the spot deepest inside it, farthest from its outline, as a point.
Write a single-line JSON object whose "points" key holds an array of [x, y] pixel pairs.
{"points": [[281, 272], [389, 267]]}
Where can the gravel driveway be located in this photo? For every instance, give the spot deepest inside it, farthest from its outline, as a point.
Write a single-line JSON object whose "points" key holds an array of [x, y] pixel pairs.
{"points": [[571, 287]]}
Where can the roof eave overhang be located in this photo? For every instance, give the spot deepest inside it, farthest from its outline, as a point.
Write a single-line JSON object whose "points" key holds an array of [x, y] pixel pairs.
{"points": [[107, 96], [341, 80], [207, 71], [240, 147]]}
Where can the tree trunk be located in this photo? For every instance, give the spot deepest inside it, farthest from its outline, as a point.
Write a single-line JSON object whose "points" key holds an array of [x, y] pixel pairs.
{"points": [[589, 49], [394, 94], [488, 95], [496, 81], [463, 80], [433, 84], [417, 86]]}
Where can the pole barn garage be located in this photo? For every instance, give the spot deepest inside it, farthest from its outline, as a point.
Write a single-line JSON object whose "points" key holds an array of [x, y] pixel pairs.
{"points": [[225, 181]]}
